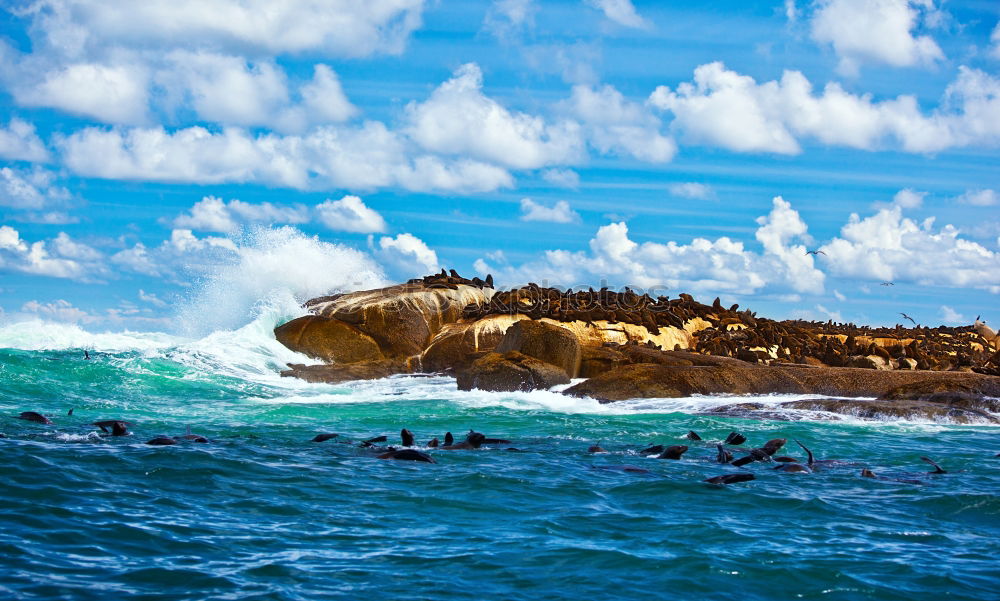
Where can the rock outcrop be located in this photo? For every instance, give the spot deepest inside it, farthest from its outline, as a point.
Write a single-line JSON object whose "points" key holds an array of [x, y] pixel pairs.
{"points": [[509, 372], [543, 341]]}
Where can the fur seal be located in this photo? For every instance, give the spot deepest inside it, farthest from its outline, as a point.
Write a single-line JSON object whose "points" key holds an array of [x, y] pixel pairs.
{"points": [[595, 449], [755, 455], [473, 441], [937, 468], [731, 478], [448, 439], [673, 452], [192, 437], [433, 443], [372, 441], [407, 437], [496, 441], [724, 456], [621, 468], [162, 441], [793, 468], [774, 445], [735, 438], [407, 455], [118, 427], [656, 449], [33, 416], [692, 435], [324, 437]]}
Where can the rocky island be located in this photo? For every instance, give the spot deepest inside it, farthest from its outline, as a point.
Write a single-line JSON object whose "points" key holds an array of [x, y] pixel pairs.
{"points": [[626, 345]]}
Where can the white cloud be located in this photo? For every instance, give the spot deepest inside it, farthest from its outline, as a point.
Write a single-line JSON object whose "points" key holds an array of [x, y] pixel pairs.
{"points": [[560, 212], [19, 142], [564, 178], [137, 260], [112, 93], [350, 214], [692, 190], [507, 17], [888, 247], [907, 198], [877, 31], [837, 294], [727, 109], [703, 266], [616, 125], [149, 297], [59, 258], [325, 27], [353, 157], [791, 11], [995, 40], [952, 317], [324, 99], [213, 214], [60, 310], [459, 119], [621, 12], [30, 189], [980, 198], [408, 253]]}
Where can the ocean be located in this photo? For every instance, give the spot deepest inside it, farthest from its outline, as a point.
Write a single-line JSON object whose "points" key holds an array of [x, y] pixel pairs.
{"points": [[261, 512]]}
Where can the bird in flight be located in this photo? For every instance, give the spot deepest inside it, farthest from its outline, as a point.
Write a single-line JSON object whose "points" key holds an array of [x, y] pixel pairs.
{"points": [[905, 316], [888, 284], [815, 252]]}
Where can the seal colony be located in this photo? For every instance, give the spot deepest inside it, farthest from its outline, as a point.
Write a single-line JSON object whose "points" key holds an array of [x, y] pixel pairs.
{"points": [[629, 345]]}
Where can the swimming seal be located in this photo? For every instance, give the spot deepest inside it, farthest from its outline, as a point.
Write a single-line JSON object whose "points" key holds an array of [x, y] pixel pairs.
{"points": [[735, 438], [448, 439], [724, 456], [774, 445], [324, 437], [793, 468], [33, 416], [372, 441], [473, 441], [118, 427], [731, 478], [433, 443], [407, 455], [162, 441], [595, 449], [937, 468], [673, 452], [653, 450], [407, 437], [755, 455], [621, 468], [496, 441], [692, 435]]}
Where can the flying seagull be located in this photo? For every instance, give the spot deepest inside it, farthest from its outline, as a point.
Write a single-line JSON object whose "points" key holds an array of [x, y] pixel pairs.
{"points": [[905, 316], [815, 252], [888, 284]]}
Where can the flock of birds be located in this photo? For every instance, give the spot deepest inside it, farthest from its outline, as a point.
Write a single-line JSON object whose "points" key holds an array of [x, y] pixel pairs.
{"points": [[410, 451]]}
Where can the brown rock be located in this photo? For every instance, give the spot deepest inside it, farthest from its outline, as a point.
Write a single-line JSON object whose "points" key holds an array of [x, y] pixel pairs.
{"points": [[334, 374], [893, 409], [651, 381], [595, 360], [546, 342], [327, 339], [459, 344], [509, 372]]}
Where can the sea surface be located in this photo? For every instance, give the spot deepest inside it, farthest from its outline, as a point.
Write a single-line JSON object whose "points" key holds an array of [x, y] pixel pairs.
{"points": [[261, 512]]}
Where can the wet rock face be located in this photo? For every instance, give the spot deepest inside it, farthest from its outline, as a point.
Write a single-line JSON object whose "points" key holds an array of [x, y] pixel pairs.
{"points": [[401, 319], [335, 374], [510, 372], [652, 381], [329, 340], [880, 410], [548, 343]]}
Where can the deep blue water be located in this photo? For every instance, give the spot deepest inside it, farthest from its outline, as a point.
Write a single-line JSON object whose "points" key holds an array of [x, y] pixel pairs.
{"points": [[263, 513]]}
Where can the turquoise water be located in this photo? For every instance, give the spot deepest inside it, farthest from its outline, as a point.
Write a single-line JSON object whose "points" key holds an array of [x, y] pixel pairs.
{"points": [[263, 513]]}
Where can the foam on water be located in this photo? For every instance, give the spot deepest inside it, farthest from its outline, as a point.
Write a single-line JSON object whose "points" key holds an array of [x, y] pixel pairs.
{"points": [[40, 335]]}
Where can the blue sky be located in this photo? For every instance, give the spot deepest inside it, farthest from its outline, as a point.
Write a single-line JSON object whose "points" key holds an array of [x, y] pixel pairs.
{"points": [[145, 151]]}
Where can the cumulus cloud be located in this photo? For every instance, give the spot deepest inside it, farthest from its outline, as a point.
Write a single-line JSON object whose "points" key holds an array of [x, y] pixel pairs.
{"points": [[952, 317], [19, 142], [560, 212], [459, 119], [507, 17], [995, 40], [889, 247], [614, 124], [727, 109], [692, 190], [979, 198], [621, 12], [114, 93], [213, 214], [907, 198], [325, 27], [350, 214], [354, 157], [60, 310], [30, 189], [408, 254], [61, 257], [149, 297], [564, 178], [877, 31], [704, 266]]}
